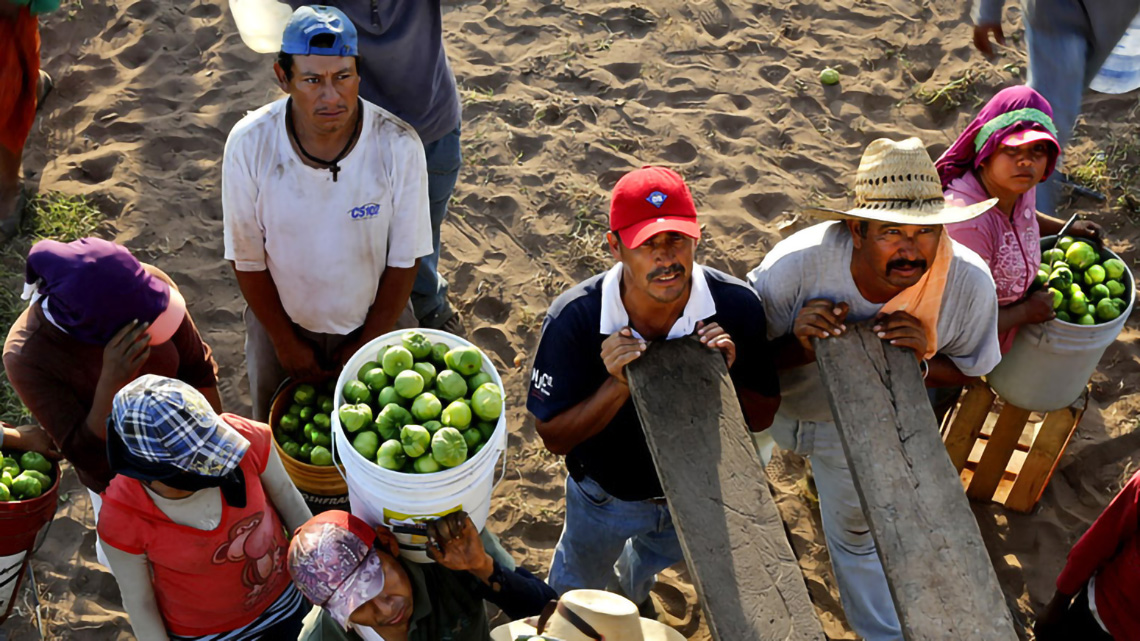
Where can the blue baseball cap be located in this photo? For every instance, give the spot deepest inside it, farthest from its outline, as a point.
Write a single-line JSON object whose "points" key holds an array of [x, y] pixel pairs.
{"points": [[316, 20]]}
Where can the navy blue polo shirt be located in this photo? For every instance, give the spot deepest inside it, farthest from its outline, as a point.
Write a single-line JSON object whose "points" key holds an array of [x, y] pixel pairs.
{"points": [[568, 368]]}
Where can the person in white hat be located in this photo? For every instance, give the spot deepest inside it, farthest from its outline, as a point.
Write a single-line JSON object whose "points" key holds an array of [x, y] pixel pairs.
{"points": [[889, 259], [588, 615]]}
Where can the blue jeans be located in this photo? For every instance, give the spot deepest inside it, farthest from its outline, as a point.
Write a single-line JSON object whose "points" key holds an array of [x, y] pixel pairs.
{"points": [[429, 293], [604, 535], [1061, 66], [863, 588]]}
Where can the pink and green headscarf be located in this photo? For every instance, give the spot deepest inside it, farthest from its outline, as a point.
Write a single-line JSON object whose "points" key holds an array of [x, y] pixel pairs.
{"points": [[1012, 111]]}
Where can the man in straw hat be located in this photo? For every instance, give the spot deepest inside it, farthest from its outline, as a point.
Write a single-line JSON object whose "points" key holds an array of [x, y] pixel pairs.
{"points": [[588, 615], [616, 512], [888, 259], [364, 591]]}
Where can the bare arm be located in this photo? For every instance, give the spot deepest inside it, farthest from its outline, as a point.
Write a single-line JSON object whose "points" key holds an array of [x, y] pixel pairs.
{"points": [[283, 494], [132, 571], [944, 373]]}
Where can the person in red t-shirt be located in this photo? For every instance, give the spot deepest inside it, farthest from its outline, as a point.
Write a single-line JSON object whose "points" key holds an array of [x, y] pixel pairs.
{"points": [[1103, 573], [194, 523]]}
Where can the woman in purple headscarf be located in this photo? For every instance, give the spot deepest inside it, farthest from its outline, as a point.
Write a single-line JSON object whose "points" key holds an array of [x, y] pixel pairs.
{"points": [[97, 319], [1009, 148]]}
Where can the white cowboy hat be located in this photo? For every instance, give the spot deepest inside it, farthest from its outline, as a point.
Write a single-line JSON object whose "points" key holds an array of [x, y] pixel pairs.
{"points": [[898, 183], [590, 615]]}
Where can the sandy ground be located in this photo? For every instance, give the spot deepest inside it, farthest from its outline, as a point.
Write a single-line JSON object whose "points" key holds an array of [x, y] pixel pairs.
{"points": [[561, 97]]}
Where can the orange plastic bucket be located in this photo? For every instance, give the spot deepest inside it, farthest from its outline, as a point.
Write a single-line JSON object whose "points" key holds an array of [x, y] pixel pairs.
{"points": [[20, 525], [322, 486]]}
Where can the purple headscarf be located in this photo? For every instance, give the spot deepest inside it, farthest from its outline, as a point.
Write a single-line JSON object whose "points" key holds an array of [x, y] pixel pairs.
{"points": [[1012, 110], [94, 287]]}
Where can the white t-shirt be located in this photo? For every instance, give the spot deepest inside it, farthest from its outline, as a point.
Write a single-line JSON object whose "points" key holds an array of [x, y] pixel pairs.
{"points": [[816, 263], [325, 243]]}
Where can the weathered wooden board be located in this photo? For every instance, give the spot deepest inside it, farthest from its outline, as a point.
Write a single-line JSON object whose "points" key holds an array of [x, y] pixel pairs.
{"points": [[748, 580], [940, 575]]}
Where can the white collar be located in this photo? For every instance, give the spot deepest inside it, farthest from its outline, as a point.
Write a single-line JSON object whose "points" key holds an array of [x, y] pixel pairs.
{"points": [[614, 316]]}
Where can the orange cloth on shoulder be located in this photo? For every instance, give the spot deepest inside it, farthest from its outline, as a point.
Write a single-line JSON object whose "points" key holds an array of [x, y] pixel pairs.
{"points": [[19, 75], [923, 300]]}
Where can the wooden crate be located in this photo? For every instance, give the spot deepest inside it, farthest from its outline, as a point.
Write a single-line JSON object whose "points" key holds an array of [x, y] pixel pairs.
{"points": [[1005, 453]]}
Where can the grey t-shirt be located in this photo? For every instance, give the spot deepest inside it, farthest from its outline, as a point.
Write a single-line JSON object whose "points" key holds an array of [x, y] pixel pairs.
{"points": [[816, 263], [403, 66]]}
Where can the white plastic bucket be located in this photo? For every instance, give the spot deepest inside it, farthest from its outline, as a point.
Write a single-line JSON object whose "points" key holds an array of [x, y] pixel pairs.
{"points": [[385, 497], [1050, 363], [261, 23]]}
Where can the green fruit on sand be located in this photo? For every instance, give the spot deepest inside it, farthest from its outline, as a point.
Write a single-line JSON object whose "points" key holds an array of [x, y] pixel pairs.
{"points": [[829, 76]]}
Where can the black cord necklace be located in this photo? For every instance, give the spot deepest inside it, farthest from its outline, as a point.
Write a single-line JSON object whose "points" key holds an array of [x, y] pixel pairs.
{"points": [[334, 164]]}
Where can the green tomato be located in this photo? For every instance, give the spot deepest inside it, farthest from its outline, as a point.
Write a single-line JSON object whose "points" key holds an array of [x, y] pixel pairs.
{"points": [[456, 415], [829, 76], [426, 407], [44, 479], [1042, 278], [306, 415], [1087, 319], [1065, 242], [1063, 315], [450, 385], [322, 421], [376, 379], [1106, 310], [427, 371], [320, 456], [1116, 288], [1081, 255], [355, 417], [448, 447], [321, 438], [438, 355], [1053, 256], [6, 478], [364, 369], [397, 359], [25, 487], [5, 495], [472, 436], [389, 396], [432, 426], [1099, 291], [426, 464], [416, 343], [295, 409], [1061, 278], [292, 449], [1078, 303], [475, 381], [10, 465], [391, 419], [304, 452], [1094, 275], [367, 443], [391, 455], [356, 392], [465, 360], [289, 423], [486, 428], [305, 394], [1114, 268], [487, 402], [409, 383], [325, 403], [415, 439]]}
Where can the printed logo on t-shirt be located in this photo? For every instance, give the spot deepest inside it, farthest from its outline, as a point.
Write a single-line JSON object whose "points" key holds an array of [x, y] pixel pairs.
{"points": [[365, 212], [540, 383]]}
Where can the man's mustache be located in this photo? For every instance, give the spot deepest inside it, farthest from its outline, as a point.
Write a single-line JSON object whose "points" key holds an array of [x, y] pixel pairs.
{"points": [[662, 272]]}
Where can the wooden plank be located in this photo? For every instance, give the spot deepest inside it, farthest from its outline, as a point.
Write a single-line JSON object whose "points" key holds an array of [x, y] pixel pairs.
{"points": [[967, 425], [940, 575], [1007, 430], [1056, 432], [749, 582]]}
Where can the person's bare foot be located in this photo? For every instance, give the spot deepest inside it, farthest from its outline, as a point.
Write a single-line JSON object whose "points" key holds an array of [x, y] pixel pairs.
{"points": [[43, 88]]}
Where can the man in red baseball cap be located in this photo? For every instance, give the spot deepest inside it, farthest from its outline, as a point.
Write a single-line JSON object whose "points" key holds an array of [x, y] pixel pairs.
{"points": [[615, 507]]}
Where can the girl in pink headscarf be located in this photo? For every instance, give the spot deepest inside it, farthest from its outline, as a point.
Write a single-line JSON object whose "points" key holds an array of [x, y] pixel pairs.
{"points": [[1005, 153]]}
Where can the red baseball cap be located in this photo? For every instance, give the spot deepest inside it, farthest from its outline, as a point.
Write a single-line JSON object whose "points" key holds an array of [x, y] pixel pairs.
{"points": [[651, 200]]}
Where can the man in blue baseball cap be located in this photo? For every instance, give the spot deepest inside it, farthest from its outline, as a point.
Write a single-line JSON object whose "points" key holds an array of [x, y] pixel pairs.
{"points": [[325, 208]]}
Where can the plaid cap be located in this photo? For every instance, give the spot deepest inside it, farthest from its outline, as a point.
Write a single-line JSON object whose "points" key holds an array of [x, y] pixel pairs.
{"points": [[165, 423], [333, 563]]}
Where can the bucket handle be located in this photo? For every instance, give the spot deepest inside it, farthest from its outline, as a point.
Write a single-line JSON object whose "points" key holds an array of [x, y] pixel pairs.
{"points": [[503, 475]]}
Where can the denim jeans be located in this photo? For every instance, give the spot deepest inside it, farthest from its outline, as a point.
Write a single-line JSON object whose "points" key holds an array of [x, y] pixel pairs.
{"points": [[603, 535], [1061, 66], [862, 584], [429, 293]]}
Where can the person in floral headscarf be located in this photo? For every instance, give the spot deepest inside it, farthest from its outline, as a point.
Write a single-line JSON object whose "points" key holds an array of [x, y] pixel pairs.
{"points": [[1009, 148]]}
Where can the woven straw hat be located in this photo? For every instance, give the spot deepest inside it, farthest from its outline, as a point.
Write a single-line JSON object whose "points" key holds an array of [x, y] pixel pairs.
{"points": [[897, 183], [590, 615]]}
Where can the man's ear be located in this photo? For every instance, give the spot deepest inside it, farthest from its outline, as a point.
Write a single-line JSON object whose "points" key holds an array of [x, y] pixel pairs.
{"points": [[615, 245], [856, 235], [282, 81], [386, 540]]}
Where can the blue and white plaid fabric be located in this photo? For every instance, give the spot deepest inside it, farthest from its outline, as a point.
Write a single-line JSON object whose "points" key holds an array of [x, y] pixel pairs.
{"points": [[163, 420]]}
